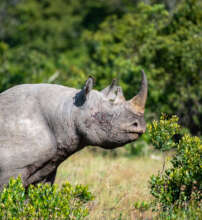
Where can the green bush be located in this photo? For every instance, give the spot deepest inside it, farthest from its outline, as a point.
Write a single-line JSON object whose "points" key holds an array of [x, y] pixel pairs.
{"points": [[43, 201], [190, 212], [180, 185]]}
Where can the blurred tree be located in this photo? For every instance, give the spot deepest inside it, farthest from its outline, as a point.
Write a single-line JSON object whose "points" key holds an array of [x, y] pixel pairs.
{"points": [[63, 41], [39, 37], [170, 5]]}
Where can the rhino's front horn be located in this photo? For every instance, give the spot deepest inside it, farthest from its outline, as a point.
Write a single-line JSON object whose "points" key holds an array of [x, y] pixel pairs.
{"points": [[138, 102]]}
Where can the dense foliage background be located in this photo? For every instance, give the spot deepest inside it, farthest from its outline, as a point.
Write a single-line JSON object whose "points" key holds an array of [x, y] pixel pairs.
{"points": [[64, 41]]}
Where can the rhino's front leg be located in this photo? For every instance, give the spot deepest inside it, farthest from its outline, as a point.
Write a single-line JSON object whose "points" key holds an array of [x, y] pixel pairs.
{"points": [[51, 177]]}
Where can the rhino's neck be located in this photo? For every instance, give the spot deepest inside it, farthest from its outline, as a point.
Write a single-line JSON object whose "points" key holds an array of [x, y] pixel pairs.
{"points": [[61, 115], [64, 125]]}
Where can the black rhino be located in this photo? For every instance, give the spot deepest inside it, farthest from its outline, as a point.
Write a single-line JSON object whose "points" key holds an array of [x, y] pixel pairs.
{"points": [[43, 124]]}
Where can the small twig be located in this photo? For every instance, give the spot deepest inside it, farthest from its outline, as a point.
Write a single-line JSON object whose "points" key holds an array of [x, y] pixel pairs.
{"points": [[53, 77]]}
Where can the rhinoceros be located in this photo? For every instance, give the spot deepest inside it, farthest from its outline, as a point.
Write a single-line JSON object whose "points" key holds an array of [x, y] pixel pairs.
{"points": [[43, 124]]}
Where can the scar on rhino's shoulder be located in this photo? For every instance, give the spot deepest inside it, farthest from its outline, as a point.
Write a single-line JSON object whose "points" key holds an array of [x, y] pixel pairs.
{"points": [[103, 118], [88, 123]]}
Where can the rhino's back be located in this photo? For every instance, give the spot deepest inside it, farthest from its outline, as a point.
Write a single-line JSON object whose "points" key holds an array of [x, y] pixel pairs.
{"points": [[21, 105], [25, 135]]}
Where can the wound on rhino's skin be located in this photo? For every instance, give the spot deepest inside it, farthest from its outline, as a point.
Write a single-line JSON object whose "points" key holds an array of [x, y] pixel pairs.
{"points": [[62, 121], [103, 118], [88, 123]]}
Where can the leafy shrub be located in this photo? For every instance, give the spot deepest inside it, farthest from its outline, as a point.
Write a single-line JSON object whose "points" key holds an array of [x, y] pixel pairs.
{"points": [[142, 206], [43, 201], [190, 212], [180, 185], [162, 132]]}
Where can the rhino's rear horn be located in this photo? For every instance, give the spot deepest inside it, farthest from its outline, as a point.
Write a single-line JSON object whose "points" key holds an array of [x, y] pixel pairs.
{"points": [[110, 88], [138, 102]]}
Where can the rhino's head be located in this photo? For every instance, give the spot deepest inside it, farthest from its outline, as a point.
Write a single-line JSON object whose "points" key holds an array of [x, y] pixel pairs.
{"points": [[106, 119]]}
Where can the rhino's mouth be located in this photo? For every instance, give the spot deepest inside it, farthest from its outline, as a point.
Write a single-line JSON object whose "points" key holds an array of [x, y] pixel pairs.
{"points": [[134, 132], [134, 135]]}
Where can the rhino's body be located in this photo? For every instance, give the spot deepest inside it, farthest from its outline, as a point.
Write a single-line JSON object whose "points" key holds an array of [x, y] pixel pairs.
{"points": [[42, 124]]}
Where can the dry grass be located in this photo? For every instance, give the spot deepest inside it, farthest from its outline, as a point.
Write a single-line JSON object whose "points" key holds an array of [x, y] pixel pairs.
{"points": [[115, 182]]}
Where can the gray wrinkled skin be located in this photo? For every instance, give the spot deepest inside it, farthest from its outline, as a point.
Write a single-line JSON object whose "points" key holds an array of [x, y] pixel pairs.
{"points": [[43, 124]]}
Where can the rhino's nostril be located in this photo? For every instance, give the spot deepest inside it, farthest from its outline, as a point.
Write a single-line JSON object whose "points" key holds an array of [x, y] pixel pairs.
{"points": [[135, 124]]}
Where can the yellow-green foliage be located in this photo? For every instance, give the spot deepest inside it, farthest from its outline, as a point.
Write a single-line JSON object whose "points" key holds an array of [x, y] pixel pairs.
{"points": [[43, 201], [162, 132], [180, 184]]}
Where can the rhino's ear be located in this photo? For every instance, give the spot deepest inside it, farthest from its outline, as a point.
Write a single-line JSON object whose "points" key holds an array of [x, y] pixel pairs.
{"points": [[81, 97], [88, 85]]}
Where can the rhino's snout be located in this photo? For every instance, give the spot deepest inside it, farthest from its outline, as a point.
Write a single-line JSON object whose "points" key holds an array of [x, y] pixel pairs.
{"points": [[139, 127]]}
